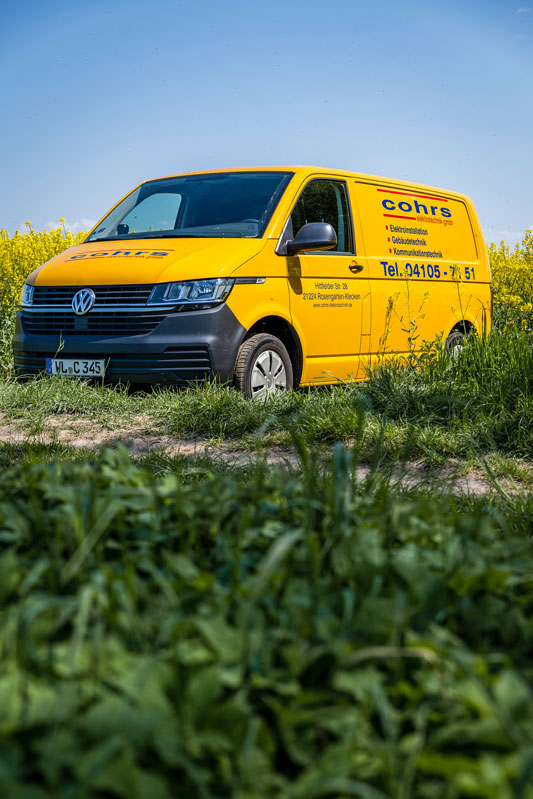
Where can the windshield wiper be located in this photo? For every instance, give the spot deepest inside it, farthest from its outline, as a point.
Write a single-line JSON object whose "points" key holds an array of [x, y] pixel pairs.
{"points": [[169, 235], [178, 235], [106, 238], [148, 235], [175, 235]]}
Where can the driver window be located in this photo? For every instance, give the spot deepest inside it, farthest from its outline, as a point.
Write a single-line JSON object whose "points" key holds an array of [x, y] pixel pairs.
{"points": [[325, 201]]}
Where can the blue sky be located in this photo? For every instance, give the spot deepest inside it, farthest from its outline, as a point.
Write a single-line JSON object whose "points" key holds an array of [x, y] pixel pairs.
{"points": [[98, 96]]}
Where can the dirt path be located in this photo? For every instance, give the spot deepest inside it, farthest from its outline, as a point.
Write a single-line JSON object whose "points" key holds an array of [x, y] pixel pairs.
{"points": [[88, 434]]}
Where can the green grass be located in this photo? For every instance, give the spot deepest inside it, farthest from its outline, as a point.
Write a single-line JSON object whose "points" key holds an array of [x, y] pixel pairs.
{"points": [[432, 407], [488, 387], [188, 467], [175, 631]]}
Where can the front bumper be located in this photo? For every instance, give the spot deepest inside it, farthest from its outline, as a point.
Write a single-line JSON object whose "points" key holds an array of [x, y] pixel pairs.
{"points": [[184, 347]]}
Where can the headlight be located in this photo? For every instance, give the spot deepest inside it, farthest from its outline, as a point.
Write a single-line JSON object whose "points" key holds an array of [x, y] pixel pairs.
{"points": [[203, 293], [26, 298]]}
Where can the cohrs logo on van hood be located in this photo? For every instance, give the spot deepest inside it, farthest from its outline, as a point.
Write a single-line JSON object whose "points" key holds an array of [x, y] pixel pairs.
{"points": [[120, 254], [189, 259]]}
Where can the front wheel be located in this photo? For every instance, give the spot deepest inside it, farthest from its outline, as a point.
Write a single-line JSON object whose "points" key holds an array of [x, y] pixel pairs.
{"points": [[263, 367]]}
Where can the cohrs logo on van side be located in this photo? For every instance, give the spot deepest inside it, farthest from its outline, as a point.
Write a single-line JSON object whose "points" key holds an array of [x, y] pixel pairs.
{"points": [[413, 206]]}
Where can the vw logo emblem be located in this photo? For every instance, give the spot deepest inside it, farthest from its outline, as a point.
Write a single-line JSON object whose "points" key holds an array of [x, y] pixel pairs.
{"points": [[83, 301]]}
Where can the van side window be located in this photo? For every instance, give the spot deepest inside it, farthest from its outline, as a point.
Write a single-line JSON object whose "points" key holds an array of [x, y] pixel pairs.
{"points": [[325, 201]]}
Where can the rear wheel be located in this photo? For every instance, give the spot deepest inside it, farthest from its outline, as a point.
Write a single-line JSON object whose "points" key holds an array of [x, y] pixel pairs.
{"points": [[263, 367], [455, 343]]}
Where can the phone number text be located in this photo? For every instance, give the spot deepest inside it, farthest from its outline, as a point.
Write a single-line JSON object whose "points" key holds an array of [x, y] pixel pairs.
{"points": [[428, 271]]}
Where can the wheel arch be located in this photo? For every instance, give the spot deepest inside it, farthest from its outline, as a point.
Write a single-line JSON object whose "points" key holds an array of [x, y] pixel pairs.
{"points": [[285, 332], [464, 326]]}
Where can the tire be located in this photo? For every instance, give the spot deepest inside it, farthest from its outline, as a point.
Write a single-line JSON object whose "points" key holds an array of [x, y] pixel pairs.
{"points": [[263, 367], [455, 343]]}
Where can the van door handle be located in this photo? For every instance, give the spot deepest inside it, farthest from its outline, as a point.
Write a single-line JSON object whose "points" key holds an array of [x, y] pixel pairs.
{"points": [[355, 268]]}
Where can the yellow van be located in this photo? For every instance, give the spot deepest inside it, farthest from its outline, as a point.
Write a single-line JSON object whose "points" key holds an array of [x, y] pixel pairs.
{"points": [[270, 278]]}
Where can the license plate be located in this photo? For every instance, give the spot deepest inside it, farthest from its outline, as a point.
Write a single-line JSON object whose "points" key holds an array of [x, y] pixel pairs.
{"points": [[75, 367]]}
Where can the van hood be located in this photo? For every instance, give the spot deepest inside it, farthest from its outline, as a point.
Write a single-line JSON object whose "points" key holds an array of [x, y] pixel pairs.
{"points": [[141, 261]]}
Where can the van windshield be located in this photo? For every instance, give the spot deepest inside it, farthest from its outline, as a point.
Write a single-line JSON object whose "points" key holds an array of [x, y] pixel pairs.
{"points": [[222, 204]]}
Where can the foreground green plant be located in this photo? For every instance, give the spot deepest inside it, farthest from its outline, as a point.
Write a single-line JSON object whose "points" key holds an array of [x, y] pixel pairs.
{"points": [[298, 635]]}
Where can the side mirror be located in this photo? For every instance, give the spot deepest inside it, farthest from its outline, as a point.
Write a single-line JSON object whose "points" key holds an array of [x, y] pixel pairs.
{"points": [[313, 236]]}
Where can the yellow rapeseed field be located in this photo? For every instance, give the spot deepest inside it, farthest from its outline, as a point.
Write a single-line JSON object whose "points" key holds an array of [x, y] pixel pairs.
{"points": [[22, 253], [512, 280]]}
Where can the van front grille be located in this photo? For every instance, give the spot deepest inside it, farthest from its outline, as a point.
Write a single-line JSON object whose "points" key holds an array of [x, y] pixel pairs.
{"points": [[105, 295], [95, 323]]}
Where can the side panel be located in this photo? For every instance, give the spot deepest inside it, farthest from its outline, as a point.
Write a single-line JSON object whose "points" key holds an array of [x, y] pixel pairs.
{"points": [[426, 272], [331, 307]]}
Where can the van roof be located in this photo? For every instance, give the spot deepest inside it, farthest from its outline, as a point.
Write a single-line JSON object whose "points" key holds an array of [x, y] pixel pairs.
{"points": [[307, 170]]}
